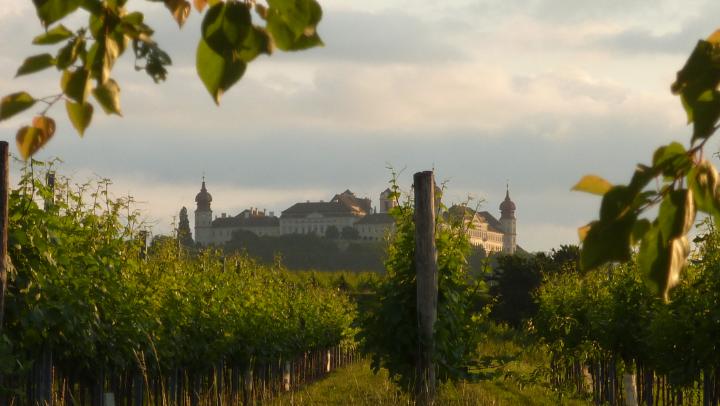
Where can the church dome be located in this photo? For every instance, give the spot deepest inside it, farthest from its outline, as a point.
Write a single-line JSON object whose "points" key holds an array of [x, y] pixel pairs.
{"points": [[507, 204], [203, 198], [507, 207]]}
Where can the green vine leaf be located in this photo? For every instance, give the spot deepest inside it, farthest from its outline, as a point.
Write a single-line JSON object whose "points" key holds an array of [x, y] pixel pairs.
{"points": [[76, 84], [15, 103], [218, 73], [53, 36], [292, 24], [607, 241], [226, 25], [50, 11], [80, 115], [108, 95], [257, 42], [35, 63]]}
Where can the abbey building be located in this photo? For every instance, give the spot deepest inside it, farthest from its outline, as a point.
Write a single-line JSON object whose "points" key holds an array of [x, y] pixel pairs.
{"points": [[346, 216]]}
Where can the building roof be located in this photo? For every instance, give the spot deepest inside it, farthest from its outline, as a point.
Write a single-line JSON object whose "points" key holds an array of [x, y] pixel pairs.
{"points": [[348, 198], [327, 209], [344, 204], [493, 223], [460, 210], [377, 218], [241, 221]]}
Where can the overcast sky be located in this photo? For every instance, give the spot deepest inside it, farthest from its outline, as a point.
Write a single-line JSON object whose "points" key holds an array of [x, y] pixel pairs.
{"points": [[534, 92]]}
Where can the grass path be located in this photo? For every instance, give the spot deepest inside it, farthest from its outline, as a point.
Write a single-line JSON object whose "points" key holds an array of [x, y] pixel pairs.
{"points": [[357, 385]]}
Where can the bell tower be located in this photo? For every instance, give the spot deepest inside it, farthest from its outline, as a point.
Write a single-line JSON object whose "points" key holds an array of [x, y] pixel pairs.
{"points": [[203, 216], [507, 222], [386, 201]]}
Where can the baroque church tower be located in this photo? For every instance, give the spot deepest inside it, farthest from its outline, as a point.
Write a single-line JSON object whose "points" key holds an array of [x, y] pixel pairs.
{"points": [[203, 215], [386, 202], [507, 221]]}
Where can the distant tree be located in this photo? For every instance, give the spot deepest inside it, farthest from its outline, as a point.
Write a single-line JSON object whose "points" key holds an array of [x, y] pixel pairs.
{"points": [[513, 284], [476, 260], [308, 251], [184, 233], [349, 233], [342, 283], [159, 241], [332, 233], [566, 259]]}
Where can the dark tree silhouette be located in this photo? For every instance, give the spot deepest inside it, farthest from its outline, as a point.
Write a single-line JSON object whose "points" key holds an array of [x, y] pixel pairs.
{"points": [[184, 233]]}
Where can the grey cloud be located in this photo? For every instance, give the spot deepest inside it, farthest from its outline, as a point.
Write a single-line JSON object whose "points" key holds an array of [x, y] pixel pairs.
{"points": [[643, 41]]}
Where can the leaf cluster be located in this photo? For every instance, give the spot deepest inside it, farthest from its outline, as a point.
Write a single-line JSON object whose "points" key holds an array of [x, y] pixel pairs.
{"points": [[85, 57], [685, 183]]}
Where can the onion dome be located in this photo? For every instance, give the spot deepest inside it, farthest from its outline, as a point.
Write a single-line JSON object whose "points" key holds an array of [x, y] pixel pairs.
{"points": [[507, 207], [203, 198]]}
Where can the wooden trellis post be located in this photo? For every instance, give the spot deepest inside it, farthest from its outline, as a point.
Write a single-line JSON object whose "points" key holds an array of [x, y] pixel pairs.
{"points": [[427, 285], [4, 188]]}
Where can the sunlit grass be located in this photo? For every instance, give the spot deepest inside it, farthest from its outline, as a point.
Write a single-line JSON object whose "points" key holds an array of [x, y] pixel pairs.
{"points": [[357, 385]]}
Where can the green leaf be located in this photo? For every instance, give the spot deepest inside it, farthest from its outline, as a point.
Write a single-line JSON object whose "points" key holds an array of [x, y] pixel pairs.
{"points": [[108, 95], [616, 203], [256, 42], [15, 103], [92, 6], [677, 214], [218, 73], [292, 23], [593, 184], [642, 176], [76, 84], [134, 18], [706, 112], [50, 11], [57, 34], [696, 82], [640, 228], [284, 38], [226, 25], [68, 54], [296, 15], [672, 159], [101, 57], [35, 63], [661, 261], [80, 115], [607, 241]]}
